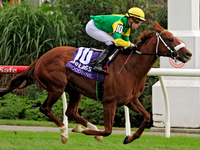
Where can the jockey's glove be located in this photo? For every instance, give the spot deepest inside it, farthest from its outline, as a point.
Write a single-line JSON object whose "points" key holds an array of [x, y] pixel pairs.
{"points": [[135, 48]]}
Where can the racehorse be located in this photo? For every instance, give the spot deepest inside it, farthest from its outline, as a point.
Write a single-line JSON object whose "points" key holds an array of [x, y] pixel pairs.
{"points": [[120, 88]]}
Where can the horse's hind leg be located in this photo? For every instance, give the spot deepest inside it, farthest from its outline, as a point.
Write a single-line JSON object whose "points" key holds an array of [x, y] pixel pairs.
{"points": [[137, 107], [72, 111], [46, 107]]}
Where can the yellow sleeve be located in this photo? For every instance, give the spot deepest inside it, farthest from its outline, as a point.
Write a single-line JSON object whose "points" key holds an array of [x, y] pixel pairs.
{"points": [[122, 43]]}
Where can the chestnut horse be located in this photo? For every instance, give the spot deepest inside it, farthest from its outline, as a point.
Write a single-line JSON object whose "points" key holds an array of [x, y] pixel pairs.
{"points": [[120, 89]]}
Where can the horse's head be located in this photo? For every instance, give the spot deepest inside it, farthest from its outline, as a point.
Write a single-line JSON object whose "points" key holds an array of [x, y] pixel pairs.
{"points": [[171, 44]]}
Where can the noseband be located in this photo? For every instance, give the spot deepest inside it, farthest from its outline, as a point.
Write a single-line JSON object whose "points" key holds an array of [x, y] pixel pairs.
{"points": [[173, 50]]}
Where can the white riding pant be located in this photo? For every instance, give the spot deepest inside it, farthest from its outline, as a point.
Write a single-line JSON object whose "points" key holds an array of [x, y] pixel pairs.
{"points": [[98, 34]]}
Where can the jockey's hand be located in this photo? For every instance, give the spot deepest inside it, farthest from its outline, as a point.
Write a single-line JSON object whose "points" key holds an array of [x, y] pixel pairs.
{"points": [[135, 48], [127, 50]]}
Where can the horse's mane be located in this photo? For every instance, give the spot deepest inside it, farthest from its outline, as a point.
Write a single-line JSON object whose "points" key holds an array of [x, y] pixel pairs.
{"points": [[147, 34]]}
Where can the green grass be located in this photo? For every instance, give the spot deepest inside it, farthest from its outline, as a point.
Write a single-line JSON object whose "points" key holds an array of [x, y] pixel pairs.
{"points": [[28, 140], [23, 140], [27, 123]]}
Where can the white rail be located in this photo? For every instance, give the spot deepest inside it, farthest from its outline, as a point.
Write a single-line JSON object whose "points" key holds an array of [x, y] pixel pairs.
{"points": [[164, 72], [174, 72]]}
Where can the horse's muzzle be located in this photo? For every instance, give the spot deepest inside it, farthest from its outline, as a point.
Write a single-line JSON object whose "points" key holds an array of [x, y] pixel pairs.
{"points": [[184, 56]]}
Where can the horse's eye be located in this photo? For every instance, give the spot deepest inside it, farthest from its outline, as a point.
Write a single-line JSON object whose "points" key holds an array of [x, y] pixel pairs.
{"points": [[171, 40]]}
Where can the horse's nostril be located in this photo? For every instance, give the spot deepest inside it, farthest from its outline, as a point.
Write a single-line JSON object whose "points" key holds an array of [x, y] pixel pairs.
{"points": [[189, 54]]}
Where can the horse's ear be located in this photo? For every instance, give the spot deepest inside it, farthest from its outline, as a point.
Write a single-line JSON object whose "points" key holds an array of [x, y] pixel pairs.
{"points": [[157, 27]]}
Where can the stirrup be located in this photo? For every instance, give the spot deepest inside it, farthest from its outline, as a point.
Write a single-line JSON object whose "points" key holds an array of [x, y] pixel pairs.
{"points": [[93, 62], [101, 70]]}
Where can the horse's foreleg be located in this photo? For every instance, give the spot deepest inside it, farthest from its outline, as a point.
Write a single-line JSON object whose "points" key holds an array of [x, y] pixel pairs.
{"points": [[79, 129], [72, 112], [109, 114], [137, 107]]}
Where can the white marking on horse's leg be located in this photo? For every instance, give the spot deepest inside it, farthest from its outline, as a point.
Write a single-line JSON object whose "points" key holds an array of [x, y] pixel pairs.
{"points": [[78, 129], [93, 127], [64, 131]]}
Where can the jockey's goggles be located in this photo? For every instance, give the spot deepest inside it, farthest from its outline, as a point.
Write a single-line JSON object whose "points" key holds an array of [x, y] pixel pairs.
{"points": [[137, 21]]}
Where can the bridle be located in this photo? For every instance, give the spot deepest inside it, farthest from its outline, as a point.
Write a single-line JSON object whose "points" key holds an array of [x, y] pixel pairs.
{"points": [[173, 50]]}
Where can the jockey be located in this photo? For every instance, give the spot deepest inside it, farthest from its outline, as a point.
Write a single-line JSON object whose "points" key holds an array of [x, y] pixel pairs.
{"points": [[113, 30]]}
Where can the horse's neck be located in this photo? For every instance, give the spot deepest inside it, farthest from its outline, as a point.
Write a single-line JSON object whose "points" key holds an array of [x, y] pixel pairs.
{"points": [[149, 47], [143, 63]]}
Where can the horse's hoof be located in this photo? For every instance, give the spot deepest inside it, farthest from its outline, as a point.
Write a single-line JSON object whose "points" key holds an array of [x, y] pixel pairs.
{"points": [[78, 129], [126, 140], [99, 138], [75, 129], [63, 139]]}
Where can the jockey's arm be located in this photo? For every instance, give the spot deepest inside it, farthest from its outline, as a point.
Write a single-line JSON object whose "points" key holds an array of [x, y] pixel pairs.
{"points": [[121, 42]]}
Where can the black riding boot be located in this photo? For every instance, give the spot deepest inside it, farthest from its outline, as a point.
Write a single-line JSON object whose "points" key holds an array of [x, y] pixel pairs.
{"points": [[102, 58]]}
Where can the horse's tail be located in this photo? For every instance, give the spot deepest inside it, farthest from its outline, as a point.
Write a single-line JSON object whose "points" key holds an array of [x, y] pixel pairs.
{"points": [[27, 75]]}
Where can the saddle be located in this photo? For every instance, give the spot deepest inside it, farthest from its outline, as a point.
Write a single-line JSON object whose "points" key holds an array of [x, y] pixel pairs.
{"points": [[83, 62]]}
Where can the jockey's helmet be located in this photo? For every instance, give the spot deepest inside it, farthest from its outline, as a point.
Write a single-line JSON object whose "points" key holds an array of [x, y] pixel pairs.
{"points": [[136, 12]]}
